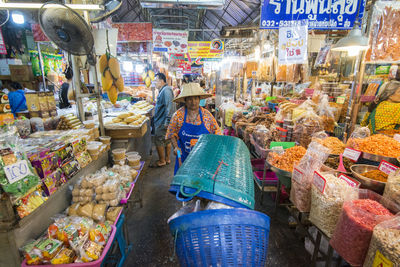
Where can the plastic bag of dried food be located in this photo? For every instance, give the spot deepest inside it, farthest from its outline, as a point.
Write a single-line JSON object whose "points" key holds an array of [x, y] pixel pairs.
{"points": [[356, 135], [392, 188], [357, 220], [327, 114], [385, 245], [305, 126], [328, 194], [303, 173], [281, 73]]}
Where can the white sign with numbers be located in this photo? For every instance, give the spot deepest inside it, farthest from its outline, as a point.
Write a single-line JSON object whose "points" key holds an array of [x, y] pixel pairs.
{"points": [[17, 171]]}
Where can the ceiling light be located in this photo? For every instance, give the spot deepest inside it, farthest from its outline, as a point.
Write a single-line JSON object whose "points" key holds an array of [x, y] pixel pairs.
{"points": [[39, 5], [353, 43], [17, 17]]}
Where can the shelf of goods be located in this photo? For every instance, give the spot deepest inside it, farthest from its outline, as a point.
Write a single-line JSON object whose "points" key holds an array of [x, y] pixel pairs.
{"points": [[33, 225]]}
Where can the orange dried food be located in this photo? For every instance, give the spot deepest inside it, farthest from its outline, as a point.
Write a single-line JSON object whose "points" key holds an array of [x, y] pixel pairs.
{"points": [[288, 159], [376, 175], [333, 143], [379, 144]]}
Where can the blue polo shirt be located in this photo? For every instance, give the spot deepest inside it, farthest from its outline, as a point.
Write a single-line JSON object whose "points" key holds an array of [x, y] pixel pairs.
{"points": [[163, 110]]}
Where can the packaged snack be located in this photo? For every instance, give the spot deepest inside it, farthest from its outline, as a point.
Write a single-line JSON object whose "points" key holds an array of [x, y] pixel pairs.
{"points": [[99, 211], [31, 253], [385, 243], [100, 233], [49, 248], [303, 175], [70, 168], [30, 202], [73, 209], [119, 154], [90, 251], [326, 206], [392, 188], [112, 213], [86, 210], [68, 233], [83, 159], [111, 185], [54, 230], [288, 159], [65, 256], [356, 223]]}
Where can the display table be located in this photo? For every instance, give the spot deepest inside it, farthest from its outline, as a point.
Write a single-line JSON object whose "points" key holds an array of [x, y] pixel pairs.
{"points": [[127, 133], [33, 225]]}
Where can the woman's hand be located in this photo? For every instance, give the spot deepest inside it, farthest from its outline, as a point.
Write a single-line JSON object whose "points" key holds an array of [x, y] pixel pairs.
{"points": [[176, 151]]}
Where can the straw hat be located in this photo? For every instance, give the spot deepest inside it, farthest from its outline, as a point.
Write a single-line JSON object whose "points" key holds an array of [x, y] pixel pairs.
{"points": [[191, 89]]}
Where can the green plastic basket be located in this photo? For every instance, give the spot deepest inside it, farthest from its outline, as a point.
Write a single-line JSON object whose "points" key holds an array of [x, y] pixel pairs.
{"points": [[219, 169]]}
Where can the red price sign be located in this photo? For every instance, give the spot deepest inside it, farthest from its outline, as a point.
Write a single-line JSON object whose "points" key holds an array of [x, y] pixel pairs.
{"points": [[319, 182], [349, 181], [387, 167], [297, 175], [352, 154]]}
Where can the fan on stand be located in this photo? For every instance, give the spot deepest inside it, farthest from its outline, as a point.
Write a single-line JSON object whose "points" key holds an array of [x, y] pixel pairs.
{"points": [[70, 32], [4, 16], [110, 7]]}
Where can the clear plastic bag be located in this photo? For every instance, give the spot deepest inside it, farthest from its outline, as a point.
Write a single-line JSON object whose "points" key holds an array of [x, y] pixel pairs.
{"points": [[326, 206], [356, 135], [358, 218], [305, 126], [392, 188], [24, 127], [300, 193], [385, 242], [327, 114], [192, 206]]}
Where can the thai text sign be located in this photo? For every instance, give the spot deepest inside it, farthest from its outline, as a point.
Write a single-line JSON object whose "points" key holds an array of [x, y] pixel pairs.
{"points": [[170, 41], [206, 51], [321, 14], [293, 44]]}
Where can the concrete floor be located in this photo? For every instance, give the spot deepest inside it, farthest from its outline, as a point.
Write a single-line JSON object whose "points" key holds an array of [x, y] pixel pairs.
{"points": [[153, 243]]}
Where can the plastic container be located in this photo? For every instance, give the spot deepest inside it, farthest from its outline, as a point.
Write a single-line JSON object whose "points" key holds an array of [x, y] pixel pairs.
{"points": [[96, 133], [94, 155], [221, 237], [93, 149], [96, 263], [103, 148], [119, 154], [105, 139], [119, 162], [95, 143], [89, 124], [132, 153], [134, 160]]}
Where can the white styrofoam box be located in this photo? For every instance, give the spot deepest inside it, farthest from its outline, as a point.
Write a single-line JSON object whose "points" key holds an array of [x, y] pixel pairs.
{"points": [[14, 61], [5, 71]]}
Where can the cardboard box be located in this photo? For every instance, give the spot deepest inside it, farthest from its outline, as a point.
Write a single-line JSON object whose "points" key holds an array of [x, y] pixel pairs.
{"points": [[21, 73], [33, 85], [43, 101], [32, 101]]}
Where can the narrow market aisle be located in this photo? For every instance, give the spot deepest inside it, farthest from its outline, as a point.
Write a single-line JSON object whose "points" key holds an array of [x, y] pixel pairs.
{"points": [[153, 244]]}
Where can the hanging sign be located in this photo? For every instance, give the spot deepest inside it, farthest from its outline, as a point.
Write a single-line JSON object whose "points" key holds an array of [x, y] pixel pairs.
{"points": [[17, 171], [293, 44], [170, 41], [38, 34], [129, 32], [321, 15], [206, 51]]}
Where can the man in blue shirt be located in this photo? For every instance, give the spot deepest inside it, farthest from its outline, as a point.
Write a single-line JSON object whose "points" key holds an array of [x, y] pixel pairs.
{"points": [[17, 98], [162, 115]]}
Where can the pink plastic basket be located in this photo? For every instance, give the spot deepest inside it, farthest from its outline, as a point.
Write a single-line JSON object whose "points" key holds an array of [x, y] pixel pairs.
{"points": [[270, 177], [96, 263], [259, 150], [258, 164], [128, 195]]}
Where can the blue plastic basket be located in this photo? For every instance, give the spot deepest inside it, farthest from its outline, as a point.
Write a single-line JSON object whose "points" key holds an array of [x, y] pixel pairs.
{"points": [[225, 237], [218, 168]]}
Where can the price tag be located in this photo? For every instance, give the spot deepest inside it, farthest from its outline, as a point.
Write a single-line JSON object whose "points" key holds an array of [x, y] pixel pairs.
{"points": [[340, 99], [352, 154], [349, 181], [387, 167], [17, 171], [319, 182], [381, 261], [297, 175]]}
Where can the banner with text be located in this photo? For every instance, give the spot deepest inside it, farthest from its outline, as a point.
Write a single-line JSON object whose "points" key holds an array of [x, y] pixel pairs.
{"points": [[206, 51], [293, 44], [170, 41], [323, 15]]}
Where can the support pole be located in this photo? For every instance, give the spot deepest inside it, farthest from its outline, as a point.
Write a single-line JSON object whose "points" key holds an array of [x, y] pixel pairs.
{"points": [[42, 66], [77, 88], [98, 99]]}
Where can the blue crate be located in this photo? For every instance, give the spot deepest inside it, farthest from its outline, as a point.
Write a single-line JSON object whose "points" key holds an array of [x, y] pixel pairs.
{"points": [[224, 237]]}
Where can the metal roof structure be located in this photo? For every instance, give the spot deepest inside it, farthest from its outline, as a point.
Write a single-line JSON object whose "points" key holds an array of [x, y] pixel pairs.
{"points": [[203, 24]]}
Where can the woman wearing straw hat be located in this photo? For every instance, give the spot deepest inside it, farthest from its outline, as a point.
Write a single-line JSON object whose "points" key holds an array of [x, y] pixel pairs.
{"points": [[190, 121]]}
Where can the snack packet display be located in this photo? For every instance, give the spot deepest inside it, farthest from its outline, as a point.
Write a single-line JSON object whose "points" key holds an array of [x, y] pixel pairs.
{"points": [[32, 254], [112, 213], [90, 251], [49, 248], [65, 256], [100, 233], [354, 229], [303, 175], [385, 245], [326, 206]]}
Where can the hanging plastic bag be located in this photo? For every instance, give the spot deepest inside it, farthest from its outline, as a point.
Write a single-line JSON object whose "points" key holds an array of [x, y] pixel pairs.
{"points": [[305, 126], [303, 174], [327, 114]]}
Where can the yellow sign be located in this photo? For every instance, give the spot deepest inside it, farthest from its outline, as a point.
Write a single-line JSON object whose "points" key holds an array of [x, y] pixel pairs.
{"points": [[206, 50], [381, 261]]}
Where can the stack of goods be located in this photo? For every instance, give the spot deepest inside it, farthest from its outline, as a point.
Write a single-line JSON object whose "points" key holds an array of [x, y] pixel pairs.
{"points": [[249, 124], [141, 107], [354, 229], [385, 243], [133, 159], [4, 104], [332, 89], [119, 156], [24, 189], [68, 122], [392, 188], [95, 149], [288, 159], [304, 176], [94, 132], [106, 140], [305, 126], [69, 239], [128, 118], [377, 144], [111, 78], [326, 205], [42, 104], [263, 136], [265, 70]]}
